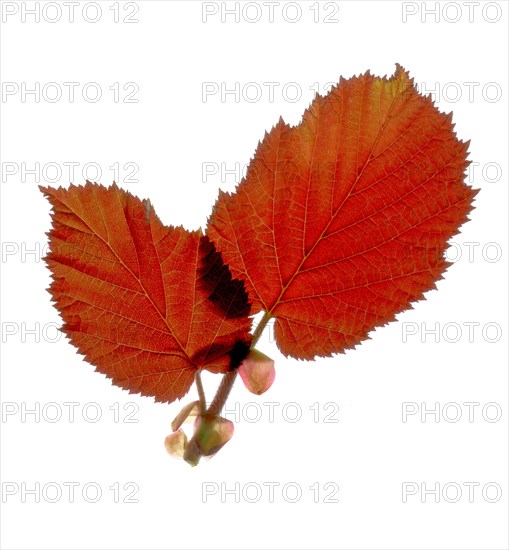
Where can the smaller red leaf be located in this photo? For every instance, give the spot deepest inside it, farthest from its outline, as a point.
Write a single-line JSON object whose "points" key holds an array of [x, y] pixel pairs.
{"points": [[146, 304]]}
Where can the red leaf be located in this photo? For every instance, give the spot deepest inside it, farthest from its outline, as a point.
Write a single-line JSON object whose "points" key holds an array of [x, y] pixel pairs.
{"points": [[343, 220], [146, 304]]}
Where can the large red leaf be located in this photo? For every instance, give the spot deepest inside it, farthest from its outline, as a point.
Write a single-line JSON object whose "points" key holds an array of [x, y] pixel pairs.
{"points": [[146, 304], [343, 220]]}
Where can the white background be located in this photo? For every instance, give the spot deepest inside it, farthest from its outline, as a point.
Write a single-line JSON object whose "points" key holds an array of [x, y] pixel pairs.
{"points": [[168, 134]]}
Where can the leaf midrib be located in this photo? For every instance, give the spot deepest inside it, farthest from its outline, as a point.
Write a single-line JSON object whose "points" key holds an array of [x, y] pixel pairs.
{"points": [[270, 310]]}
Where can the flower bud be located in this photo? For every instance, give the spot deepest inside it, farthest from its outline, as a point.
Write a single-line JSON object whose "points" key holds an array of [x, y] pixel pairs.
{"points": [[211, 432], [176, 444], [257, 372]]}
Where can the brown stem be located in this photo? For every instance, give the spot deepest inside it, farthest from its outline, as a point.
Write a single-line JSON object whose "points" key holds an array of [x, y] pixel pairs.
{"points": [[259, 329], [222, 392], [201, 393], [192, 454]]}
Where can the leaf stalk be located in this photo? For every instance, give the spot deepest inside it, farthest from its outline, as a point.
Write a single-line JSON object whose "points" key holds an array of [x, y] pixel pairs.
{"points": [[193, 454]]}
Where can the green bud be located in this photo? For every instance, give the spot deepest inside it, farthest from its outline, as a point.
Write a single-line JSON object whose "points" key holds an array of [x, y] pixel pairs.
{"points": [[211, 432]]}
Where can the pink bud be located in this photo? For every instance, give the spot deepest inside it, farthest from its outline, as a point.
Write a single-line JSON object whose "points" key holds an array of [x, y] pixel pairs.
{"points": [[211, 432], [257, 372], [176, 444]]}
